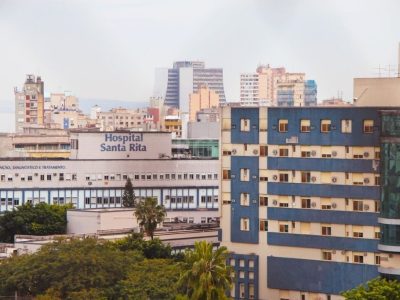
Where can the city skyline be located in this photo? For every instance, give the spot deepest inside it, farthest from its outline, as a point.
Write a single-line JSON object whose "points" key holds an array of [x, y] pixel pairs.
{"points": [[87, 49]]}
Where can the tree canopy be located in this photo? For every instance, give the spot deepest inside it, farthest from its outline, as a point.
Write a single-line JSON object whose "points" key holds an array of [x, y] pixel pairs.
{"points": [[149, 214], [128, 197], [39, 219], [205, 275], [376, 289]]}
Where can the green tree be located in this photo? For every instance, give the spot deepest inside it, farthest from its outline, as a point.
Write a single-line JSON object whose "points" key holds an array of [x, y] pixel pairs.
{"points": [[150, 249], [205, 274], [60, 269], [40, 219], [128, 197], [149, 214], [376, 289], [150, 279]]}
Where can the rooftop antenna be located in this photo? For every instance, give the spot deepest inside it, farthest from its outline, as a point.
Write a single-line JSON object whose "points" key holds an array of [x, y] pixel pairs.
{"points": [[398, 62]]}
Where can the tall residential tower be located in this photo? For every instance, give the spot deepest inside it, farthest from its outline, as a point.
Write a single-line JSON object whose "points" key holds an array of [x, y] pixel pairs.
{"points": [[29, 103]]}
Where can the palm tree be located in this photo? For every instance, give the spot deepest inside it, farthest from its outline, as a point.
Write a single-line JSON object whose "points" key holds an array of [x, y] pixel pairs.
{"points": [[205, 274], [149, 214]]}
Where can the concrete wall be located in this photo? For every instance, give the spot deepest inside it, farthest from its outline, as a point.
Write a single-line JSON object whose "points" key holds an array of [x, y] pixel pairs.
{"points": [[93, 220], [373, 91]]}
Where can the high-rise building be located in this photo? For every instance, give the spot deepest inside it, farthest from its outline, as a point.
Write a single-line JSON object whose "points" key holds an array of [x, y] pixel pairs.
{"points": [[175, 85], [259, 88], [309, 199], [202, 99], [29, 103], [275, 87]]}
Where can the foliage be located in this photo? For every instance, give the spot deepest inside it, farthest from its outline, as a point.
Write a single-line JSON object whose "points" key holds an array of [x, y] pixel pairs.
{"points": [[149, 214], [128, 197], [92, 269], [150, 279], [205, 273], [41, 219], [66, 267], [376, 289], [150, 249]]}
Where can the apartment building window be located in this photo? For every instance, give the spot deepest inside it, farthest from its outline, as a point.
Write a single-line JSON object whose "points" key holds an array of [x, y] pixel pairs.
{"points": [[284, 177], [326, 230], [326, 203], [305, 203], [244, 224], [305, 176], [284, 152], [263, 201], [241, 290], [283, 228], [325, 126], [305, 153], [283, 125], [244, 174], [244, 125], [377, 206], [251, 290], [244, 199], [377, 180], [326, 152], [346, 126], [368, 126], [359, 259], [263, 225], [284, 204], [61, 177], [305, 125], [358, 205], [326, 255], [377, 259], [226, 174], [358, 234], [263, 150], [377, 154]]}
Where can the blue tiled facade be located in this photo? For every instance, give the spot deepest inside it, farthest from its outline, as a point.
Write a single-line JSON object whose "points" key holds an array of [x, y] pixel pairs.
{"points": [[317, 276], [341, 241], [243, 265]]}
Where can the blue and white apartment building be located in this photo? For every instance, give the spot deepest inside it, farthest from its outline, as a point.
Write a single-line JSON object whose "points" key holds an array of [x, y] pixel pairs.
{"points": [[310, 199], [94, 175]]}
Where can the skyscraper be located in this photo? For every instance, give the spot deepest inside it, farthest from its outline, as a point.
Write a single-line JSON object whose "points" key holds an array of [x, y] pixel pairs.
{"points": [[29, 103], [175, 85]]}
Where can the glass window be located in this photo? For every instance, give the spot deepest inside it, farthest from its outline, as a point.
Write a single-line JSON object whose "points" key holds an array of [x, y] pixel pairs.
{"points": [[305, 125], [244, 125], [325, 126], [368, 126], [283, 125], [346, 126]]}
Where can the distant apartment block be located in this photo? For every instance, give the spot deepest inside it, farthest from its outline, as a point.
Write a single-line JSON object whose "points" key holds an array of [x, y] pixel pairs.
{"points": [[122, 118], [175, 85], [204, 98], [275, 87], [29, 103]]}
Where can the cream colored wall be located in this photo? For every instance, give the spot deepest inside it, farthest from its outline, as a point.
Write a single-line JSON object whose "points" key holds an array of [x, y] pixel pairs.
{"points": [[376, 91]]}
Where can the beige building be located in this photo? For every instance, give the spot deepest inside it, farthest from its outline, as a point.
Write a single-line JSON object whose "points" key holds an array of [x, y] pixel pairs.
{"points": [[29, 103], [203, 98], [260, 87], [384, 91], [62, 101], [122, 118]]}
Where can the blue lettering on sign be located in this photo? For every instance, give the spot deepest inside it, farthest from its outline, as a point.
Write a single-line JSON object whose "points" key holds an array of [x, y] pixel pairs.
{"points": [[123, 139]]}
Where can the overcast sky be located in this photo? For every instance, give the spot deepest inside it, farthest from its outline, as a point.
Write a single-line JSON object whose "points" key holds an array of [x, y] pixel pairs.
{"points": [[109, 49]]}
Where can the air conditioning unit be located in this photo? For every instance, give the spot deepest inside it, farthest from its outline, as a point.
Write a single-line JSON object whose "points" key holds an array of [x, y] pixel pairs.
{"points": [[255, 151], [275, 152], [313, 153], [275, 177], [313, 178], [275, 202], [343, 252], [366, 154], [89, 183], [313, 204], [366, 180], [334, 179], [233, 151], [334, 153], [366, 207], [334, 205]]}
